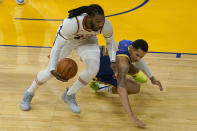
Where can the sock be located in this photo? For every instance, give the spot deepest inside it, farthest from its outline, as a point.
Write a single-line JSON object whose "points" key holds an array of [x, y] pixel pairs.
{"points": [[33, 87], [76, 86]]}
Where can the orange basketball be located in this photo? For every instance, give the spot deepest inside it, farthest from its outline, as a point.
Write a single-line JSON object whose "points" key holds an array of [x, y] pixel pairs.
{"points": [[67, 68]]}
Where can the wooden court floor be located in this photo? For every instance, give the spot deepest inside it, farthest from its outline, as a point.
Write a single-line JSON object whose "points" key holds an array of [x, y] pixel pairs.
{"points": [[171, 110], [168, 26]]}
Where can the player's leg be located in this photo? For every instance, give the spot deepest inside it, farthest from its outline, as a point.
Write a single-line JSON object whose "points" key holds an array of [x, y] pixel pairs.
{"points": [[40, 79], [90, 55], [132, 87]]}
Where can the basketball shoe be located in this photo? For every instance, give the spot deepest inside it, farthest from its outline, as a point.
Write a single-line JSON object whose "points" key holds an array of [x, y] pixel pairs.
{"points": [[71, 101], [98, 87], [26, 100]]}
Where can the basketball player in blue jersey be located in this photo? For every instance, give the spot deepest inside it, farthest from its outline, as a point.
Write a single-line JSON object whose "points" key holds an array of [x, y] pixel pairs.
{"points": [[77, 32], [106, 80], [20, 2]]}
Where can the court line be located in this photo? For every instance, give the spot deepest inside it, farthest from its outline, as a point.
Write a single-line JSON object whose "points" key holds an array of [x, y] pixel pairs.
{"points": [[178, 55], [124, 12]]}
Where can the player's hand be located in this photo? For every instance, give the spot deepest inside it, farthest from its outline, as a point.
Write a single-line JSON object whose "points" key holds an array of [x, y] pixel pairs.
{"points": [[156, 82], [139, 122], [58, 76]]}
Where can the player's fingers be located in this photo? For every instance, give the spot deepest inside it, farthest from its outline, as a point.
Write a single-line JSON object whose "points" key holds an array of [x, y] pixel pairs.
{"points": [[160, 86], [63, 80]]}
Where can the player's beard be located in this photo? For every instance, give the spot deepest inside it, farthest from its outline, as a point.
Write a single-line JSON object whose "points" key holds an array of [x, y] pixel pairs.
{"points": [[93, 27]]}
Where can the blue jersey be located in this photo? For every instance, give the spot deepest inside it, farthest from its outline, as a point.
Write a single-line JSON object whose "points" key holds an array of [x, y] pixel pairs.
{"points": [[123, 47], [105, 73]]}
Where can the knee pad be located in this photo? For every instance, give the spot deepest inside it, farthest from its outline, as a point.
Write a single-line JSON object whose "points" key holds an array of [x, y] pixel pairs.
{"points": [[140, 77]]}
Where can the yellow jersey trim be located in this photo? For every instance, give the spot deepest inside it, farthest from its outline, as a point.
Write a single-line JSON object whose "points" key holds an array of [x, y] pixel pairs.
{"points": [[123, 55]]}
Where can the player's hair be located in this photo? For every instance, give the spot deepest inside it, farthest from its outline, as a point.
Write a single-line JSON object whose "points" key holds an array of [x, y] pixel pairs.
{"points": [[140, 44], [91, 10]]}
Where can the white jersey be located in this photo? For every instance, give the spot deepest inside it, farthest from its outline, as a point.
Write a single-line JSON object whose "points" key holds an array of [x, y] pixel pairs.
{"points": [[73, 29], [72, 32]]}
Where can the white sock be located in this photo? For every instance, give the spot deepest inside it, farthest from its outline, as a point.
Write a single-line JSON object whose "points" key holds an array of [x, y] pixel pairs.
{"points": [[76, 86], [33, 87]]}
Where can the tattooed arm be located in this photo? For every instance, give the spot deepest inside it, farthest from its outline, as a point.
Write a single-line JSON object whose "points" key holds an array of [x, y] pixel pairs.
{"points": [[123, 68]]}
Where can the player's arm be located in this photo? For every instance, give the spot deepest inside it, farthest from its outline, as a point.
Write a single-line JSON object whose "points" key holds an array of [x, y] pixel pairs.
{"points": [[143, 66], [107, 32], [123, 68], [133, 69], [54, 56], [68, 28]]}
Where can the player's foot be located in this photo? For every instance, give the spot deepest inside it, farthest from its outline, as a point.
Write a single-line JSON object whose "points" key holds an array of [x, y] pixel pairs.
{"points": [[71, 101], [95, 85], [26, 100], [20, 2]]}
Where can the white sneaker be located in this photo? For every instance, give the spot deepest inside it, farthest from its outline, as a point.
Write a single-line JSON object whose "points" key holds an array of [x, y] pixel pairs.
{"points": [[98, 87], [71, 101], [20, 2], [26, 100], [104, 88]]}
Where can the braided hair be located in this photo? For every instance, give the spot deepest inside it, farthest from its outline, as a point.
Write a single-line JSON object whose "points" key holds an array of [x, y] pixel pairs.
{"points": [[91, 10]]}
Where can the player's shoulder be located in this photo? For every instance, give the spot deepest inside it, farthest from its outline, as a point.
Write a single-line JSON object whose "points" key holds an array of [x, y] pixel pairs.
{"points": [[107, 27], [69, 27], [70, 22], [107, 24]]}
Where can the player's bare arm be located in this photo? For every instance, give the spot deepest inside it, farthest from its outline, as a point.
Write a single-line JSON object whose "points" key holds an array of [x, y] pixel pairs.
{"points": [[123, 68], [133, 69]]}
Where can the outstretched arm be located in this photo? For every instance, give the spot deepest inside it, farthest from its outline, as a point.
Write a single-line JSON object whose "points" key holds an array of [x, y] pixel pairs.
{"points": [[142, 65], [123, 68]]}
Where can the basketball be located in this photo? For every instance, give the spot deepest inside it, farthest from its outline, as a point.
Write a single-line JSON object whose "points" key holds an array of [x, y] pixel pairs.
{"points": [[67, 68]]}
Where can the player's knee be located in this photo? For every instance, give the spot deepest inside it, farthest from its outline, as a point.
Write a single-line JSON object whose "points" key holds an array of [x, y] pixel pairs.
{"points": [[92, 66], [44, 75], [138, 88], [93, 71]]}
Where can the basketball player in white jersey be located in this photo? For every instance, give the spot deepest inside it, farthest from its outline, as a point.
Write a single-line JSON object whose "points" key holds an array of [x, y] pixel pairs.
{"points": [[78, 32], [20, 2]]}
